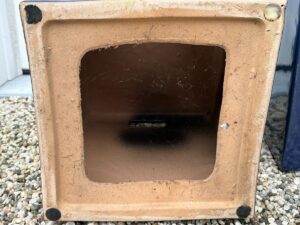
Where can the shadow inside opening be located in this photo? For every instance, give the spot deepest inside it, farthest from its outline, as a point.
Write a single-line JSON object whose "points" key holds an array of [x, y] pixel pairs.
{"points": [[150, 111]]}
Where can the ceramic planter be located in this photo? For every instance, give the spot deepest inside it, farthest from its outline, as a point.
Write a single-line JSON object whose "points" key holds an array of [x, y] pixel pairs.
{"points": [[151, 110]]}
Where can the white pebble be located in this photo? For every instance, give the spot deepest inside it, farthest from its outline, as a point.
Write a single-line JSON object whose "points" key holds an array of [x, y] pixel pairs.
{"points": [[271, 220], [70, 223]]}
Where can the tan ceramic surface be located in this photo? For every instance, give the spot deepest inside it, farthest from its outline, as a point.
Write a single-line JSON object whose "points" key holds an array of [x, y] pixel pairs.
{"points": [[70, 29]]}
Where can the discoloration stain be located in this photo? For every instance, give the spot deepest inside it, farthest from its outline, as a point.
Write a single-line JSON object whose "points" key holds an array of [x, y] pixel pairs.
{"points": [[130, 2], [272, 12]]}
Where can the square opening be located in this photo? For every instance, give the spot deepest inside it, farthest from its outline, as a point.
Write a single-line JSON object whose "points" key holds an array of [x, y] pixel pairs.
{"points": [[151, 111]]}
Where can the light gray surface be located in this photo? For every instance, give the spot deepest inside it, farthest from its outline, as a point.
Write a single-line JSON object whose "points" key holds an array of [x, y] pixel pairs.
{"points": [[20, 86], [281, 83]]}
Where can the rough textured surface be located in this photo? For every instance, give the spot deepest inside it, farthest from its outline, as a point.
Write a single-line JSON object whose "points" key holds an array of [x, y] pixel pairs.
{"points": [[246, 90], [278, 197]]}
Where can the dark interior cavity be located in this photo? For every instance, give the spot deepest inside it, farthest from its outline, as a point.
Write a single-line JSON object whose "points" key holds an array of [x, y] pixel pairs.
{"points": [[150, 111]]}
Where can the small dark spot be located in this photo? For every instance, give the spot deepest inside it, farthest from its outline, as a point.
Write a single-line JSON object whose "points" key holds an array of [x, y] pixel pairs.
{"points": [[53, 214], [33, 14], [243, 211], [159, 129], [152, 137]]}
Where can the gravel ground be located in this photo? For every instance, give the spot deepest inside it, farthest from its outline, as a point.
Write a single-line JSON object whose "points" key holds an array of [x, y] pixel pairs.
{"points": [[278, 198]]}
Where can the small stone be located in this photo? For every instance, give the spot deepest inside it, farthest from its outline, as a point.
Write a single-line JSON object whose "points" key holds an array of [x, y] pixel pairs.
{"points": [[70, 223], [270, 207], [271, 220], [50, 223], [258, 209]]}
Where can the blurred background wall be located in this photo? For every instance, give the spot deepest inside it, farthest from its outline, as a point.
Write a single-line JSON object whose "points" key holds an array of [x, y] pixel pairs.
{"points": [[13, 55]]}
